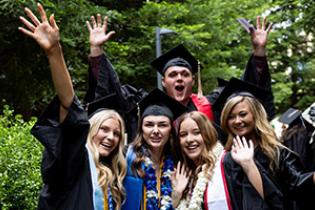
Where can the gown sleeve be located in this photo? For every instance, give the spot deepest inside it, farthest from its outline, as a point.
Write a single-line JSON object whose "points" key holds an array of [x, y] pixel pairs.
{"points": [[65, 155], [292, 173], [257, 72], [103, 80], [242, 193]]}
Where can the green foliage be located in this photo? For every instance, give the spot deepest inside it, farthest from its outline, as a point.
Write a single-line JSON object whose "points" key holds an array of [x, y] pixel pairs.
{"points": [[208, 28], [20, 156]]}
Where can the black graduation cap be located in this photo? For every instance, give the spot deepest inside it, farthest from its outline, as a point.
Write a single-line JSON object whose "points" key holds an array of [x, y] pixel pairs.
{"points": [[309, 114], [291, 117], [107, 102], [239, 87], [222, 82], [178, 56], [159, 103]]}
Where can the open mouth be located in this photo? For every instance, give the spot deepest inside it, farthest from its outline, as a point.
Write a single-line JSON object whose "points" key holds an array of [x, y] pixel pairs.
{"points": [[155, 140], [192, 147], [106, 146], [179, 88]]}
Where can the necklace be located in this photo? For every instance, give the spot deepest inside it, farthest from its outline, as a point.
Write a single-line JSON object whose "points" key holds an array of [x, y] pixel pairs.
{"points": [[150, 182], [194, 200]]}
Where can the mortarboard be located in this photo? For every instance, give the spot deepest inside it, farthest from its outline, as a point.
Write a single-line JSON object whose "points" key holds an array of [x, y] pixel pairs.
{"points": [[178, 56], [309, 114], [291, 117], [107, 102], [239, 87], [222, 82], [159, 103]]}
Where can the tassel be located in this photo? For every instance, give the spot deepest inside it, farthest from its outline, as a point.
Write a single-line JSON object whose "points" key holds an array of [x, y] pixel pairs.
{"points": [[200, 94]]}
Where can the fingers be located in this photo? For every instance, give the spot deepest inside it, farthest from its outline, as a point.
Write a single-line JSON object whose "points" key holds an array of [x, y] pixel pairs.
{"points": [[245, 145], [264, 23], [269, 28], [31, 15], [29, 25], [99, 20], [105, 23], [251, 144], [26, 32], [239, 143], [42, 12], [52, 21], [89, 26], [181, 169], [258, 23], [93, 21]]}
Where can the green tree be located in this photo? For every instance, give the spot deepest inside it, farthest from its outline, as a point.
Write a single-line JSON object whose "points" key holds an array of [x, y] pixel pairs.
{"points": [[20, 156]]}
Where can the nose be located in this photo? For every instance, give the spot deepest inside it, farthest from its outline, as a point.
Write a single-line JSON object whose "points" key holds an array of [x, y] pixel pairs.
{"points": [[110, 135], [238, 119], [155, 129], [189, 138], [179, 77]]}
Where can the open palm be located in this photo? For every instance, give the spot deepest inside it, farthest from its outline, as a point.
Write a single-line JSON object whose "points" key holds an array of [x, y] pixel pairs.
{"points": [[259, 36], [46, 33], [242, 152], [98, 35]]}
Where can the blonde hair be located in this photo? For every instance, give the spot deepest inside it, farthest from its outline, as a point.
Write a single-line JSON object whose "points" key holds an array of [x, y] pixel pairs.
{"points": [[266, 137], [111, 173], [209, 137]]}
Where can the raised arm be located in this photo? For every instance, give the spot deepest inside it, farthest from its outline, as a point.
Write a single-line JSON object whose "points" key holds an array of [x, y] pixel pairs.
{"points": [[46, 34], [257, 70], [103, 79], [243, 154]]}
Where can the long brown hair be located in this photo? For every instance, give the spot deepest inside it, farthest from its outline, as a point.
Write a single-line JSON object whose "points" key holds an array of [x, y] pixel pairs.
{"points": [[111, 173], [209, 137], [141, 149], [266, 137]]}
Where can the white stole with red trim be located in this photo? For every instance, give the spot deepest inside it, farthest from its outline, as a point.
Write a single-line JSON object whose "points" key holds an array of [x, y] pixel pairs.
{"points": [[217, 195]]}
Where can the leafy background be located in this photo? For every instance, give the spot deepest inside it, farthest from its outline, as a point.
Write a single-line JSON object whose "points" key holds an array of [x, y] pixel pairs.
{"points": [[207, 28]]}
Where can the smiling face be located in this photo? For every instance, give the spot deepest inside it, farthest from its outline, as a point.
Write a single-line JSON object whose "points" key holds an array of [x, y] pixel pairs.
{"points": [[107, 137], [156, 131], [178, 82], [241, 121], [191, 140]]}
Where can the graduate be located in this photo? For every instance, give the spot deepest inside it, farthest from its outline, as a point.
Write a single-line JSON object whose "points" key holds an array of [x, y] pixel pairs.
{"points": [[282, 178], [104, 80], [83, 166], [294, 134], [199, 151], [150, 157]]}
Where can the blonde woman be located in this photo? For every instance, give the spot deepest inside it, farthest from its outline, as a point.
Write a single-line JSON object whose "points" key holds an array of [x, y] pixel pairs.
{"points": [[280, 180], [75, 176]]}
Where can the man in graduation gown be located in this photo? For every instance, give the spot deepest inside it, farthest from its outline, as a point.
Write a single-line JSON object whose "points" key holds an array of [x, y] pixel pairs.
{"points": [[103, 79]]}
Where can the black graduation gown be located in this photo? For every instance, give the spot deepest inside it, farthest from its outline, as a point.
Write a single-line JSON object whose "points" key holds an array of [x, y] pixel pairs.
{"points": [[65, 165], [103, 80], [287, 184]]}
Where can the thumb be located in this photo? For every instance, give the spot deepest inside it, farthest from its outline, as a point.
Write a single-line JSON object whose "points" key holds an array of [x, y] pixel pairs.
{"points": [[110, 34], [52, 21]]}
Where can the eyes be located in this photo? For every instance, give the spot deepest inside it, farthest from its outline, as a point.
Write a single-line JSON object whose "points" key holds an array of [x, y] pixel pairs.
{"points": [[174, 74], [242, 114], [160, 124], [194, 132], [107, 129]]}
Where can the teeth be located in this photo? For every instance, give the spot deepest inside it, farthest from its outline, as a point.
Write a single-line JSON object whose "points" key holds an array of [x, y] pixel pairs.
{"points": [[192, 147], [106, 145]]}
